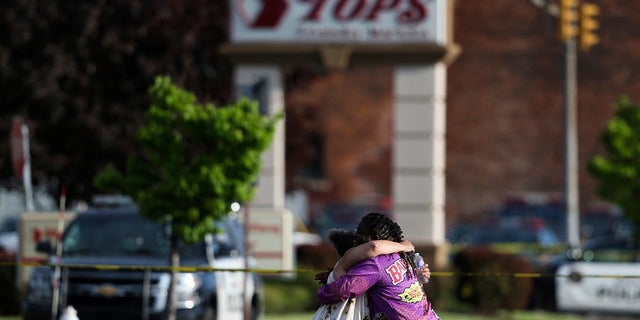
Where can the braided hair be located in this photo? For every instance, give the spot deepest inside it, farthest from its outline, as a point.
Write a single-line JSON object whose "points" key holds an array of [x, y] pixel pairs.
{"points": [[377, 226], [342, 240]]}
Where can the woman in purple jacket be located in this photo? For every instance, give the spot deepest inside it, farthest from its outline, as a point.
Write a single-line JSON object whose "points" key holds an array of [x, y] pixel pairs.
{"points": [[390, 281], [344, 241]]}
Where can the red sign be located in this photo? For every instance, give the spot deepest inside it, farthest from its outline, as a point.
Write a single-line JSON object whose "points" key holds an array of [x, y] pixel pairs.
{"points": [[350, 21], [410, 11], [269, 15], [17, 153]]}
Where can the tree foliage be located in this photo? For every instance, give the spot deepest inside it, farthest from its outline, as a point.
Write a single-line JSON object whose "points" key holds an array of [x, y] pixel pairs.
{"points": [[195, 160], [78, 72], [618, 170]]}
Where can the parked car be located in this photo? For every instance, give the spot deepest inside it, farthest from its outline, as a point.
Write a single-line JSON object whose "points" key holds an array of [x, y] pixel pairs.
{"points": [[591, 278], [604, 221], [117, 268], [596, 219], [9, 234], [548, 207], [460, 233], [528, 237], [605, 279], [538, 234]]}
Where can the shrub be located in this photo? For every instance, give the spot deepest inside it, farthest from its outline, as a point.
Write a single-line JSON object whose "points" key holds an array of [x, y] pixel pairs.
{"points": [[298, 294], [439, 291], [487, 280], [291, 295], [321, 256]]}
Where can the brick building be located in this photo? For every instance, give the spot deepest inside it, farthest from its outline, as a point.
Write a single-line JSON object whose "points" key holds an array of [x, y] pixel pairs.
{"points": [[504, 109]]}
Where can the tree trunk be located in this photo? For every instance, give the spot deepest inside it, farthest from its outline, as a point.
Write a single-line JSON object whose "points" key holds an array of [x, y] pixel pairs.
{"points": [[170, 310]]}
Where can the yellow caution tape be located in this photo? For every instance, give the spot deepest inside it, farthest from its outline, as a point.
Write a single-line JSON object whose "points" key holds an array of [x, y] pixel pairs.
{"points": [[280, 271]]}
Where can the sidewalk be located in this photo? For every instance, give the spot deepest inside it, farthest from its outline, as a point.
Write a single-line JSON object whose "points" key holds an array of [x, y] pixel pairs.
{"points": [[610, 317]]}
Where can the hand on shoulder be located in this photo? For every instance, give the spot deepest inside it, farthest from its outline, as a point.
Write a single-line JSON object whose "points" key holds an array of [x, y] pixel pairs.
{"points": [[322, 277], [408, 246]]}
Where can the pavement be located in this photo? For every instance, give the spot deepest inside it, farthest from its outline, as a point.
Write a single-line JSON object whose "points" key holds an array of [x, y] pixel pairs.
{"points": [[610, 317]]}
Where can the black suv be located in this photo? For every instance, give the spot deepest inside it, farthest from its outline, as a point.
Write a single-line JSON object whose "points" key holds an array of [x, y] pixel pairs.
{"points": [[115, 267]]}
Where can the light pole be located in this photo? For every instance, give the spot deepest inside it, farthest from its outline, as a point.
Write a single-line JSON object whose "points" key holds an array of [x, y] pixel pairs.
{"points": [[568, 33], [235, 207], [569, 30], [571, 144]]}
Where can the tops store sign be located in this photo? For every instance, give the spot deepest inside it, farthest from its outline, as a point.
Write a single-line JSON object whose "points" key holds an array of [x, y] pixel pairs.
{"points": [[339, 21]]}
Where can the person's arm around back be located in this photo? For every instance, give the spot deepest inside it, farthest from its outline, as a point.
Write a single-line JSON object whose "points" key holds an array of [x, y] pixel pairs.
{"points": [[369, 250], [355, 282]]}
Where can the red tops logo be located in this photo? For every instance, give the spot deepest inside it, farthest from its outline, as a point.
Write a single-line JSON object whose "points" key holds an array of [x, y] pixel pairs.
{"points": [[271, 12], [269, 16]]}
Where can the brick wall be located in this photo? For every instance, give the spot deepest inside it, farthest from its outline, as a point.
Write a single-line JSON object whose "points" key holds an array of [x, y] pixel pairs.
{"points": [[504, 106]]}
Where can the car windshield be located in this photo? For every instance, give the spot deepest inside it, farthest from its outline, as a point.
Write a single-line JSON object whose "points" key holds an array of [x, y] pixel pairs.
{"points": [[611, 250], [124, 235], [552, 214], [9, 224], [504, 236]]}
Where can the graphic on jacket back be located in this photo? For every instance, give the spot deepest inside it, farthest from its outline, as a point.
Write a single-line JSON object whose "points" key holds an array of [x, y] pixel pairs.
{"points": [[397, 271], [412, 294]]}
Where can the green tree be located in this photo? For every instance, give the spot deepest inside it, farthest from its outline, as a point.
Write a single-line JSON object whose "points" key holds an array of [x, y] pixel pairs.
{"points": [[78, 73], [618, 171], [195, 160]]}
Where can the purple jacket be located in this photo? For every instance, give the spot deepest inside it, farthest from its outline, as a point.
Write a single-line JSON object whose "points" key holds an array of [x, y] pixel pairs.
{"points": [[392, 291]]}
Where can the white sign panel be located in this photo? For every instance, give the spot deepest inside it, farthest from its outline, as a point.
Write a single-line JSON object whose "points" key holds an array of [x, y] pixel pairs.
{"points": [[339, 21], [34, 228], [271, 238], [601, 287], [230, 289]]}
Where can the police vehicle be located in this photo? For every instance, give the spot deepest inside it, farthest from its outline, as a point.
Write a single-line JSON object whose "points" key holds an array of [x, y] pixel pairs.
{"points": [[115, 266], [603, 277]]}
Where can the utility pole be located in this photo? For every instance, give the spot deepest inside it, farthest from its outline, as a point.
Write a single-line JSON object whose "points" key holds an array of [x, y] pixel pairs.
{"points": [[568, 33], [571, 143]]}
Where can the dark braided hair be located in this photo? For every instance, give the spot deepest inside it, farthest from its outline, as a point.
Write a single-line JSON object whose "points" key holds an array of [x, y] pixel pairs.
{"points": [[377, 226], [342, 240]]}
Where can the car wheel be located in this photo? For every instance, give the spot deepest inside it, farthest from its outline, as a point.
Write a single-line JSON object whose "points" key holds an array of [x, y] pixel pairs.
{"points": [[255, 309], [209, 313]]}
